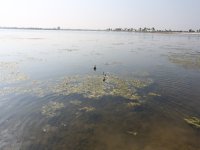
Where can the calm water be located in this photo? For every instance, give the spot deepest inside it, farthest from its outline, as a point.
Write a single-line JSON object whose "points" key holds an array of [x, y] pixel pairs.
{"points": [[38, 68]]}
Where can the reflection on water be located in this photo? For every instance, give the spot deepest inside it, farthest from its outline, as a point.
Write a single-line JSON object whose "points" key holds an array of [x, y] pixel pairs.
{"points": [[143, 95]]}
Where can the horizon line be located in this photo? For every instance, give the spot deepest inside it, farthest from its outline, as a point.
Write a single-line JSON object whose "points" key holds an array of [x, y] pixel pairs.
{"points": [[107, 29]]}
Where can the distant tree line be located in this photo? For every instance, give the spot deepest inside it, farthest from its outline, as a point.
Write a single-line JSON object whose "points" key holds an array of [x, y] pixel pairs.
{"points": [[145, 29]]}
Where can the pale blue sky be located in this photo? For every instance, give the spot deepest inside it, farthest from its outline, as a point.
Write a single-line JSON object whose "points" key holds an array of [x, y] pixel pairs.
{"points": [[100, 14]]}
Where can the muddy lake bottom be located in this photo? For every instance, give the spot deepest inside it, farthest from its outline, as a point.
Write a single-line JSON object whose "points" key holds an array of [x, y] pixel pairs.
{"points": [[144, 94]]}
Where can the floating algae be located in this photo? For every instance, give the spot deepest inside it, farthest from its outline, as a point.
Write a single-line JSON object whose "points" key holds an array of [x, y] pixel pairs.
{"points": [[133, 104], [194, 121], [32, 87], [12, 76], [10, 73], [87, 109], [50, 110], [14, 90], [8, 65], [153, 94], [26, 89], [141, 84], [75, 102], [186, 60], [94, 87]]}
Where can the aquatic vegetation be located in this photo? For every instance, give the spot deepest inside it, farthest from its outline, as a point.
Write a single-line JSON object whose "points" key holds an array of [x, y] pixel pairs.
{"points": [[75, 102], [153, 94], [12, 77], [141, 84], [10, 73], [50, 110], [186, 60], [33, 90], [89, 86], [133, 104], [87, 109], [11, 90], [8, 65], [194, 121], [132, 133], [92, 86]]}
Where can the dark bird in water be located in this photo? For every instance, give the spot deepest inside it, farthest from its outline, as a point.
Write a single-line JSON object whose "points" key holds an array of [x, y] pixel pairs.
{"points": [[95, 68], [104, 79]]}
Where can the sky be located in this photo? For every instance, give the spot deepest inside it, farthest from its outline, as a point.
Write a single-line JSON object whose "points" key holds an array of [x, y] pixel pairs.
{"points": [[101, 14]]}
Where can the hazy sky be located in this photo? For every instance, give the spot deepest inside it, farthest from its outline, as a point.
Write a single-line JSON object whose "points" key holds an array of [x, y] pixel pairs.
{"points": [[100, 14]]}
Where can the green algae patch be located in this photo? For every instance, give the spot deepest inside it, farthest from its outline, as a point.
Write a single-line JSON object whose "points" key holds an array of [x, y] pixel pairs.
{"points": [[75, 102], [140, 84], [132, 104], [8, 76], [87, 109], [194, 121], [51, 109], [39, 91], [10, 73], [93, 86], [188, 61], [153, 94]]}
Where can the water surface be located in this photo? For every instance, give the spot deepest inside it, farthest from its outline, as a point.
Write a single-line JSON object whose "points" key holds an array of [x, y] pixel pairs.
{"points": [[51, 98]]}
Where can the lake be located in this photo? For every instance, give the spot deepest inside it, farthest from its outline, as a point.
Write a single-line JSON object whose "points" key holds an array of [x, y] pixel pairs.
{"points": [[143, 95]]}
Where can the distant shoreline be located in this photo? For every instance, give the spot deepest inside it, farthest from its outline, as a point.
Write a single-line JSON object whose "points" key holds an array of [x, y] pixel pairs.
{"points": [[105, 30], [57, 29]]}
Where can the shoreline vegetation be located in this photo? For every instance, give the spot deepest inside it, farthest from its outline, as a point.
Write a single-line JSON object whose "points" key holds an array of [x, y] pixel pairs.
{"points": [[140, 30]]}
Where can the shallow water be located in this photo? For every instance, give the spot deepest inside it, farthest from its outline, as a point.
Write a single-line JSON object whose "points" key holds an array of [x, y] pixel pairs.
{"points": [[51, 98]]}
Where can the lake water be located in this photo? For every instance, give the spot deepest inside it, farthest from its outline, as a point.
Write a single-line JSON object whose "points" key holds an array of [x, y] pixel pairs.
{"points": [[143, 89]]}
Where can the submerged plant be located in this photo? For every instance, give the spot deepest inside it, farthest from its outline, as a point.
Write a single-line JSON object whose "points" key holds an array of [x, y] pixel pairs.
{"points": [[194, 121], [50, 110]]}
